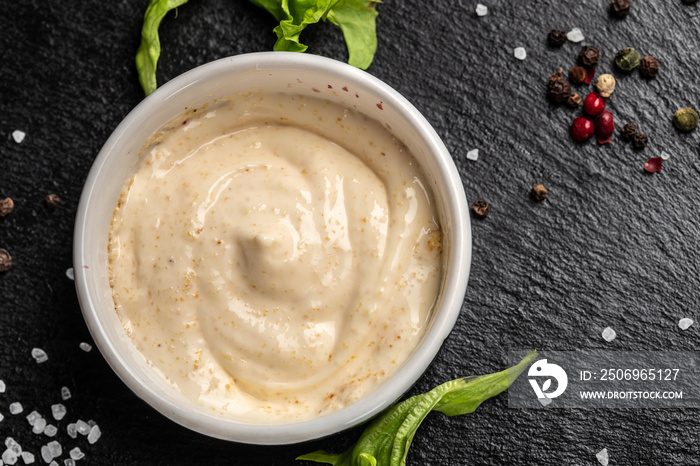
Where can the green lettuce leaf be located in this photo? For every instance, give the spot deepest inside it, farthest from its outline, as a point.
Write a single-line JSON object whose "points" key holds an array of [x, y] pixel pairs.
{"points": [[149, 49], [294, 16], [356, 18], [386, 440]]}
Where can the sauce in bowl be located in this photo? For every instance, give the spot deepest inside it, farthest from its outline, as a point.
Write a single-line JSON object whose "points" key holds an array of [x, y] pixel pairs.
{"points": [[275, 257]]}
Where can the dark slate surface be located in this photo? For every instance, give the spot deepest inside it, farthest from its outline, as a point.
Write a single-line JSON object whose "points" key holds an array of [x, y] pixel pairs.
{"points": [[611, 246]]}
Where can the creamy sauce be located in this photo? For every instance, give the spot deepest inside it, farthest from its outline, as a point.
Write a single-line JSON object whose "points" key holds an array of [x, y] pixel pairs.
{"points": [[275, 258]]}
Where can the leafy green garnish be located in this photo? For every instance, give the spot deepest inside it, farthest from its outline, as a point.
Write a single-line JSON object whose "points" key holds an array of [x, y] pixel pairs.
{"points": [[149, 50], [356, 19], [386, 440]]}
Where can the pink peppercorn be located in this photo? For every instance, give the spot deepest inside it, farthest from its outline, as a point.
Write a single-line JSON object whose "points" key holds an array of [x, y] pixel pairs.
{"points": [[581, 129], [594, 104], [604, 127]]}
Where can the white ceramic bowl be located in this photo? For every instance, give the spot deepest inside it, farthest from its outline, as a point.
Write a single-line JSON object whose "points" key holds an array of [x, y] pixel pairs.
{"points": [[271, 71]]}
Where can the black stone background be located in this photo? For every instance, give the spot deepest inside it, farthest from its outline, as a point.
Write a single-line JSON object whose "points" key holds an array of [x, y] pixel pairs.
{"points": [[611, 245]]}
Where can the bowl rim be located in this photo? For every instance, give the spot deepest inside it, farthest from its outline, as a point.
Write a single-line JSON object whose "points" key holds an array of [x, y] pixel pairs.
{"points": [[389, 391]]}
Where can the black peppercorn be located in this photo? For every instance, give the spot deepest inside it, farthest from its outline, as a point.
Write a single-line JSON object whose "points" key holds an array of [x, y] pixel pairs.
{"points": [[649, 67], [6, 206], [578, 74], [480, 208], [556, 37], [628, 131], [52, 200], [559, 89], [5, 260], [639, 141], [539, 192], [620, 8], [589, 56]]}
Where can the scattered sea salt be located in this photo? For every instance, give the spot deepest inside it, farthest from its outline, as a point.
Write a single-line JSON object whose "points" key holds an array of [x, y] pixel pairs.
{"points": [[53, 463], [9, 457], [77, 454], [72, 430], [65, 393], [16, 407], [70, 274], [18, 136], [32, 417], [602, 456], [50, 430], [46, 454], [58, 411], [1, 417], [85, 347], [82, 427], [39, 426], [39, 355], [27, 457], [575, 35], [665, 156], [609, 334], [481, 10], [55, 449], [94, 435], [12, 444], [685, 322], [2, 386], [520, 53], [69, 462], [473, 155]]}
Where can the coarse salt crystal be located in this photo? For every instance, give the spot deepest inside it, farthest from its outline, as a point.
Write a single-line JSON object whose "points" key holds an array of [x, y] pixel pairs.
{"points": [[58, 411], [2, 387], [46, 454], [77, 454], [520, 53], [39, 426], [603, 457], [94, 435], [69, 462], [32, 417], [72, 430], [50, 430], [481, 10], [16, 407], [18, 136], [27, 457], [55, 449], [665, 156], [9, 441], [685, 322], [85, 347], [575, 35], [53, 463], [609, 334], [1, 417], [65, 393], [70, 274], [83, 428], [9, 457], [473, 154], [39, 355]]}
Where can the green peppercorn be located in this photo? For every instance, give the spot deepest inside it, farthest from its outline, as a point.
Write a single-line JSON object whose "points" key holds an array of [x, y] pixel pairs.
{"points": [[685, 119], [627, 59]]}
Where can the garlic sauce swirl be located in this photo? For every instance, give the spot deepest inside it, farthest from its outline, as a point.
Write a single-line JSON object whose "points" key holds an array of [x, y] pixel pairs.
{"points": [[275, 257]]}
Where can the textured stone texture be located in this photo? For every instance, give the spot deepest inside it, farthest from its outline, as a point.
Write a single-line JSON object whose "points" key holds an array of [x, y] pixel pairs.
{"points": [[611, 245]]}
